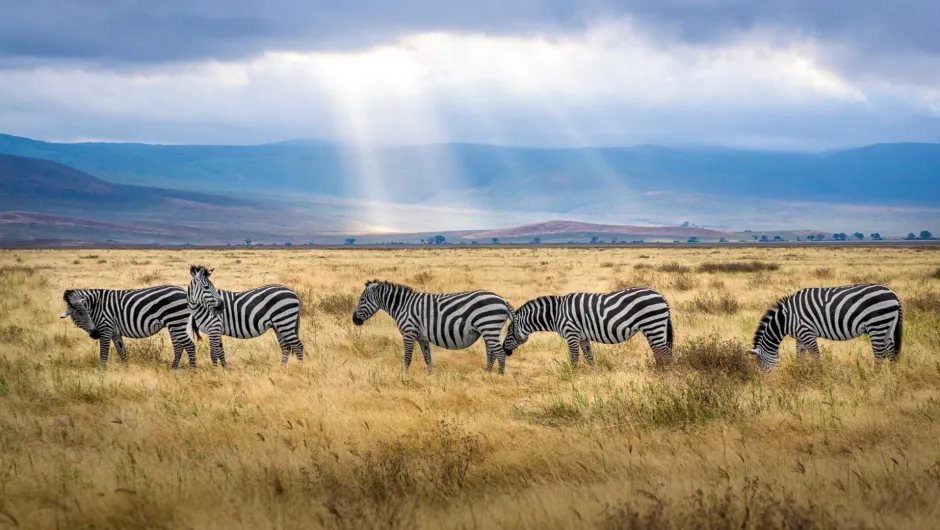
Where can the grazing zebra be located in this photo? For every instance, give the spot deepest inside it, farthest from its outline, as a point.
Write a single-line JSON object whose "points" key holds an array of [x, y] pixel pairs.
{"points": [[110, 315], [242, 314], [608, 318], [834, 313], [453, 320]]}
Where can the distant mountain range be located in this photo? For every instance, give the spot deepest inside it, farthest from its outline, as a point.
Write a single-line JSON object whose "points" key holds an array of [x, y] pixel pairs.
{"points": [[903, 172], [312, 191]]}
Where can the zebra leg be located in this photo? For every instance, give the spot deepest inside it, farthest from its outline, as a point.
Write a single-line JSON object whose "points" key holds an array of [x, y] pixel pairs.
{"points": [[409, 350], [216, 350], [881, 347], [426, 351], [285, 348], [588, 357], [573, 344], [190, 347], [104, 345], [119, 346], [177, 353], [298, 348], [494, 352]]}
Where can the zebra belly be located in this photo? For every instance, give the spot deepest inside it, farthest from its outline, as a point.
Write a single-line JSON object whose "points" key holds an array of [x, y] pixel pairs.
{"points": [[149, 329], [615, 337], [456, 343]]}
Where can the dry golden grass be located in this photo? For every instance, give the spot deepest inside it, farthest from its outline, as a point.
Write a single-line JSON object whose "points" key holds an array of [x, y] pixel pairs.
{"points": [[349, 441]]}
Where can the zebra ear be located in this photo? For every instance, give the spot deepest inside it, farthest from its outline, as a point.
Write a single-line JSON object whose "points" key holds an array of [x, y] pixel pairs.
{"points": [[193, 270], [209, 272]]}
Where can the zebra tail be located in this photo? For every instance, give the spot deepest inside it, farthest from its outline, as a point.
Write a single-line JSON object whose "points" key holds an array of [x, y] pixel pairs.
{"points": [[192, 329], [898, 333], [669, 333]]}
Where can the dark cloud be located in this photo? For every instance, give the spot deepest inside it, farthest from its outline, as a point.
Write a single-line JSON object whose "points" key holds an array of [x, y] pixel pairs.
{"points": [[177, 30]]}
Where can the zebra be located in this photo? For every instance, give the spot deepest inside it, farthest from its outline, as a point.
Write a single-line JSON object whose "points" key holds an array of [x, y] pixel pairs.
{"points": [[450, 320], [608, 318], [242, 314], [835, 313], [109, 315]]}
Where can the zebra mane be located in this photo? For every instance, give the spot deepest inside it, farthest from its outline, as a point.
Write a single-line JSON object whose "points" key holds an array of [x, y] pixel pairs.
{"points": [[399, 286], [768, 316], [196, 269], [534, 302], [67, 295]]}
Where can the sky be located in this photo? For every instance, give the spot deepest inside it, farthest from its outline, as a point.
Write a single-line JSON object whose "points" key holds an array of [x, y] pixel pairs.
{"points": [[774, 74]]}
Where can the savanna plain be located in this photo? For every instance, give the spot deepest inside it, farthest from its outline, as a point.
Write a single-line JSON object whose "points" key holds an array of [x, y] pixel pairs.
{"points": [[349, 440]]}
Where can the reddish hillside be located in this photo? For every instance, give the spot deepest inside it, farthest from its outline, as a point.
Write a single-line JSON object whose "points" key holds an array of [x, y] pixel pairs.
{"points": [[32, 175], [572, 227]]}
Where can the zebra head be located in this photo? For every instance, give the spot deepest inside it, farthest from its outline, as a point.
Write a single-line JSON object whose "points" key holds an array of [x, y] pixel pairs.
{"points": [[78, 306], [369, 302], [770, 332], [201, 293], [519, 328]]}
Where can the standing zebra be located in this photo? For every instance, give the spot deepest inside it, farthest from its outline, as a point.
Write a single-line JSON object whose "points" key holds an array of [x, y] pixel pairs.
{"points": [[243, 314], [608, 318], [110, 315], [834, 313], [453, 320]]}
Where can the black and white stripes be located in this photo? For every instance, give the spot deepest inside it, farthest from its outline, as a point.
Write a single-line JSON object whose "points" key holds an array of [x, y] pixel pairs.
{"points": [[243, 314], [453, 320], [834, 313], [110, 315], [608, 318]]}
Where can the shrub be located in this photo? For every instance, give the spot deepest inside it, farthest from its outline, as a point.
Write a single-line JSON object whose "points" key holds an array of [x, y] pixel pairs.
{"points": [[684, 282], [421, 278], [338, 305], [926, 302], [823, 273], [674, 266], [149, 277], [935, 274], [714, 356], [738, 266], [725, 303]]}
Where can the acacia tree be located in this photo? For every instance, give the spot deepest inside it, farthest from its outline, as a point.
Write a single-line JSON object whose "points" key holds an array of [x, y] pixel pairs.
{"points": [[350, 240], [495, 240], [439, 239], [858, 235], [876, 237], [911, 236], [924, 234]]}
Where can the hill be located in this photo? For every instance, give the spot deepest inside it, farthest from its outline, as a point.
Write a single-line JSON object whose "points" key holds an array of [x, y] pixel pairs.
{"points": [[569, 228], [504, 175]]}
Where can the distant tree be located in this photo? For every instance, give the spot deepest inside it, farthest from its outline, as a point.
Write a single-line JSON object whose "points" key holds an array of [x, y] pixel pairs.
{"points": [[613, 240], [820, 237], [693, 239], [911, 236], [439, 239], [723, 240], [495, 240], [798, 238], [876, 236], [858, 235], [811, 237], [686, 223], [756, 237], [536, 240], [247, 242], [778, 238], [350, 240], [595, 240], [925, 235], [764, 238], [423, 241]]}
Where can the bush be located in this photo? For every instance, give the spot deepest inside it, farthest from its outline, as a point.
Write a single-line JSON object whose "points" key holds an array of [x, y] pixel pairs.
{"points": [[421, 278], [712, 304], [926, 302], [338, 305], [935, 274], [149, 277], [684, 282], [823, 273], [674, 266], [752, 506], [738, 266], [713, 356]]}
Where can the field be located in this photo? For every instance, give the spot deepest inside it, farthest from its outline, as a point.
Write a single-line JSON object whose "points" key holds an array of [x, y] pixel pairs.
{"points": [[347, 440]]}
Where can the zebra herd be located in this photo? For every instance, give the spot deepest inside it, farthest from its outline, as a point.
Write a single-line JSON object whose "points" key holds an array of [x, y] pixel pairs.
{"points": [[457, 320]]}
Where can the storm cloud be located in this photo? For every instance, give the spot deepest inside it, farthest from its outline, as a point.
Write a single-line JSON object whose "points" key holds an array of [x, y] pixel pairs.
{"points": [[776, 73]]}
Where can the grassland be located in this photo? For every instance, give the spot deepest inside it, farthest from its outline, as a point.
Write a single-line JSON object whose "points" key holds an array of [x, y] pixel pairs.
{"points": [[348, 440]]}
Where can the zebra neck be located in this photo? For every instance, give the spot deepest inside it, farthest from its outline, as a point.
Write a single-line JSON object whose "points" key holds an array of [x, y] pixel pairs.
{"points": [[393, 303], [543, 315]]}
